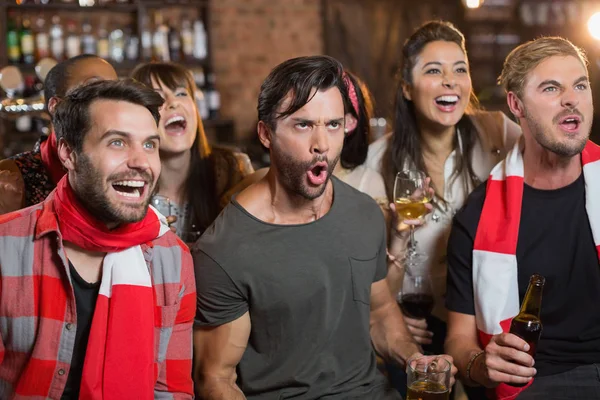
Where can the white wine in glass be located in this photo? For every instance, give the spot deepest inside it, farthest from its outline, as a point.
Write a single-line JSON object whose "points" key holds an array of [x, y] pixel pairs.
{"points": [[411, 194], [411, 209]]}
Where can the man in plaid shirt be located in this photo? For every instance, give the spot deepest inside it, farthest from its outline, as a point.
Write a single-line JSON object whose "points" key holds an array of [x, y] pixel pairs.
{"points": [[97, 295]]}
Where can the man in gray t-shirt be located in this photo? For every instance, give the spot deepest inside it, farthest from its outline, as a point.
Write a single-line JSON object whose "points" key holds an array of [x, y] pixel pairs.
{"points": [[290, 277]]}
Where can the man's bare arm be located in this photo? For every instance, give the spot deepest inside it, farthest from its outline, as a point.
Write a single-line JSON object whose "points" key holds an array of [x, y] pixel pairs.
{"points": [[389, 333], [217, 352], [462, 344]]}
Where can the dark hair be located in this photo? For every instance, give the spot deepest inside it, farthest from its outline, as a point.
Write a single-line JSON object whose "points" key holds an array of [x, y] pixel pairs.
{"points": [[200, 186], [72, 115], [356, 143], [56, 83], [405, 145], [298, 76]]}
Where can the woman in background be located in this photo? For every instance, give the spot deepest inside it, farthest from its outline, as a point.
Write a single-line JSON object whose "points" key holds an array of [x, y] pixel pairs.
{"points": [[352, 168], [194, 176], [439, 130]]}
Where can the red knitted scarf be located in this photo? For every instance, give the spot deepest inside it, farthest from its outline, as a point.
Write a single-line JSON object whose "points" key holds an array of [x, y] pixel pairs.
{"points": [[50, 160], [119, 361]]}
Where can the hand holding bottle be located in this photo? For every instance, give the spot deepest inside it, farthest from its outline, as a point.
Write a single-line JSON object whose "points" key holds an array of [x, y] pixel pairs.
{"points": [[506, 361]]}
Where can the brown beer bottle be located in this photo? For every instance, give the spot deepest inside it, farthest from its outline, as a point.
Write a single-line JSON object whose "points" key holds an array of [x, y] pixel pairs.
{"points": [[527, 324]]}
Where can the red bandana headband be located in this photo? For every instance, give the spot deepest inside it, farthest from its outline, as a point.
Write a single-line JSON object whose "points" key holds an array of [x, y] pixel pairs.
{"points": [[351, 93]]}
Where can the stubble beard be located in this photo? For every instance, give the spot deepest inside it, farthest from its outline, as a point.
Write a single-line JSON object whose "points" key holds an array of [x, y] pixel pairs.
{"points": [[562, 149], [292, 173], [89, 189]]}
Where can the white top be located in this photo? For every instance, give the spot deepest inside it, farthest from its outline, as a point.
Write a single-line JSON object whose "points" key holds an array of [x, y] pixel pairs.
{"points": [[432, 237], [366, 180]]}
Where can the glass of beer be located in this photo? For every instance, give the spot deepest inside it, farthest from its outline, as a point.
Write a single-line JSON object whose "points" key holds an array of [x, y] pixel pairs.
{"points": [[411, 194], [428, 378]]}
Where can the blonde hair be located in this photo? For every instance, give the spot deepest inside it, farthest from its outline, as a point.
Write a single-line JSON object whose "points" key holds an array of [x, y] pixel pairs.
{"points": [[524, 58]]}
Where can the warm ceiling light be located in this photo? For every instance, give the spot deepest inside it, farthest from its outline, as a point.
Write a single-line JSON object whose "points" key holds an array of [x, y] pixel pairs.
{"points": [[594, 25], [473, 3]]}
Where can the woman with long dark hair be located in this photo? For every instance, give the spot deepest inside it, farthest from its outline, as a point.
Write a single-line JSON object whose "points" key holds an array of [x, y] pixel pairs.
{"points": [[440, 130], [352, 168], [194, 176]]}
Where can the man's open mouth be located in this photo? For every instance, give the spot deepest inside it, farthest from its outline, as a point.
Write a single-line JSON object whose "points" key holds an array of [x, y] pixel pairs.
{"points": [[130, 188], [317, 174], [570, 123]]}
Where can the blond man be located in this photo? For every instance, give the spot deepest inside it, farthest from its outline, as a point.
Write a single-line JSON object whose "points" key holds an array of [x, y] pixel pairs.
{"points": [[539, 212]]}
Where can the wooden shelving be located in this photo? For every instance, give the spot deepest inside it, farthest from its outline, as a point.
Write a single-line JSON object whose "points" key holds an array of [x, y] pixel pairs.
{"points": [[134, 12]]}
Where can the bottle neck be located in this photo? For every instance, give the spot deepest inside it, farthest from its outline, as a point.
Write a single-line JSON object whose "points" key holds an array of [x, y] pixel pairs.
{"points": [[532, 302]]}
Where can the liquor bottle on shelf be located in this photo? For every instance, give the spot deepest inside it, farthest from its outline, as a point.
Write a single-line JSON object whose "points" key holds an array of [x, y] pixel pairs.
{"points": [[201, 101], [132, 45], [12, 40], [187, 40], [27, 42], [160, 39], [73, 41], [42, 41], [24, 123], [146, 39], [213, 97], [103, 45], [174, 44], [200, 43], [57, 44], [117, 45], [88, 40]]}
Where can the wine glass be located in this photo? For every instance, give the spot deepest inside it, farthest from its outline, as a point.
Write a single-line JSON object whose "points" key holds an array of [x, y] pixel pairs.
{"points": [[416, 297], [411, 194], [162, 204]]}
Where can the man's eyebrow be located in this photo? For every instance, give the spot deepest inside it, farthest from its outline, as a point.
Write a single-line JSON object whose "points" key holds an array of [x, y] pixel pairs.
{"points": [[115, 132], [303, 120], [311, 122], [582, 78], [126, 135]]}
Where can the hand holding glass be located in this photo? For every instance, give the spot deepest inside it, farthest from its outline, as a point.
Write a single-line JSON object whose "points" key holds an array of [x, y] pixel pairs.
{"points": [[428, 378]]}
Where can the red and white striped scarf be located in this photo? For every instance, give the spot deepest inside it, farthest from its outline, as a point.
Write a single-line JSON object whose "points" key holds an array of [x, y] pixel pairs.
{"points": [[119, 360], [495, 282]]}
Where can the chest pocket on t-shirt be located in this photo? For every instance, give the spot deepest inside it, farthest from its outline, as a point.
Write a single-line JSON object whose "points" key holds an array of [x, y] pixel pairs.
{"points": [[362, 272]]}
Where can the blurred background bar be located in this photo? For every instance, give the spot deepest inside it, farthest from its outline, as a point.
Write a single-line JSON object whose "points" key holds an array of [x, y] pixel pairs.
{"points": [[231, 45]]}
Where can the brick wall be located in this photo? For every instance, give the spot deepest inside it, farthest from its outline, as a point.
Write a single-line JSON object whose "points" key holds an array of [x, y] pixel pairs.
{"points": [[249, 38]]}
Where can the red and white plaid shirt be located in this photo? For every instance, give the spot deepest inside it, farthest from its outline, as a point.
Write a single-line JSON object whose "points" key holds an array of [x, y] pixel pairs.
{"points": [[38, 314]]}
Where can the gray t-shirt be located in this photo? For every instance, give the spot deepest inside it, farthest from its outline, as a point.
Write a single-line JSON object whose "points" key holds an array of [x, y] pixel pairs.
{"points": [[307, 289]]}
